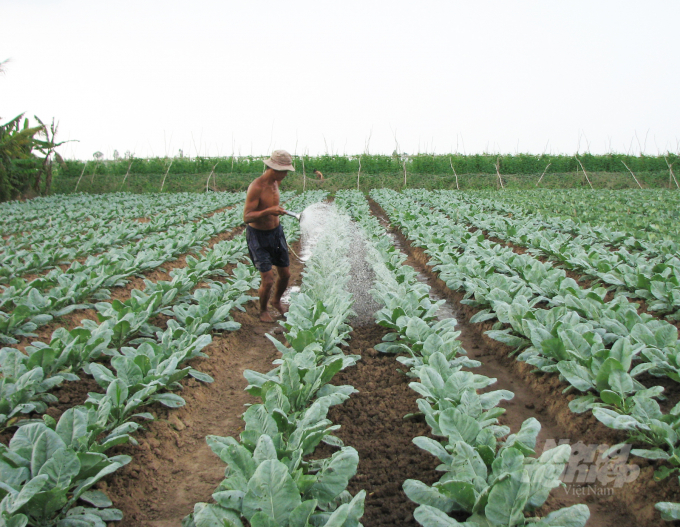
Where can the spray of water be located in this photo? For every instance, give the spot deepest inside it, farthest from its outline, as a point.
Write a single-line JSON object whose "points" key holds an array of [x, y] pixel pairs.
{"points": [[313, 224]]}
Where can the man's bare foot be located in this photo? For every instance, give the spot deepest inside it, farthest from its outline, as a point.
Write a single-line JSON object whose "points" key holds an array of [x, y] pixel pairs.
{"points": [[280, 307], [266, 317]]}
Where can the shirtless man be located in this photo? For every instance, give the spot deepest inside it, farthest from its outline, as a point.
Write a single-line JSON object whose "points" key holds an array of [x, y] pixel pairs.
{"points": [[267, 244]]}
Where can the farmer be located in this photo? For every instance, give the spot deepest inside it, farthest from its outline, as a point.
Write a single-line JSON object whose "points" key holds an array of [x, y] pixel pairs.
{"points": [[267, 244]]}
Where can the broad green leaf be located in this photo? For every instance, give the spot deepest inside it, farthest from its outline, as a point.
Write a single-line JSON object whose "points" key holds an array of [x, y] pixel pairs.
{"points": [[47, 444], [669, 511], [61, 468], [208, 515], [507, 499], [334, 476], [271, 490], [423, 494], [574, 516], [430, 517]]}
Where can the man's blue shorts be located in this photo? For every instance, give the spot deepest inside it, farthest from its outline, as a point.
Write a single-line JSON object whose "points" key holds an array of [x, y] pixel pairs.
{"points": [[267, 248]]}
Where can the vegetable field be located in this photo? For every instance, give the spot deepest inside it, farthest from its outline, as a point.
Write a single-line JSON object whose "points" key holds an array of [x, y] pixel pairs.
{"points": [[448, 358]]}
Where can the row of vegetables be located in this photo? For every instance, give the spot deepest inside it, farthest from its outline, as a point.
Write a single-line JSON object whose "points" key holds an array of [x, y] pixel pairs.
{"points": [[27, 378], [35, 219], [651, 272], [47, 248], [490, 476], [597, 230], [49, 467], [645, 216], [28, 305], [270, 479], [597, 347]]}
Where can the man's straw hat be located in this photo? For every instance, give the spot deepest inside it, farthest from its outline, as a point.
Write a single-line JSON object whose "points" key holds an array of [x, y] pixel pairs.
{"points": [[280, 160]]}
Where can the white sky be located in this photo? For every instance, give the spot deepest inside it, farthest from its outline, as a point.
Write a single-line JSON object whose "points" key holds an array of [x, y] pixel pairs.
{"points": [[212, 77]]}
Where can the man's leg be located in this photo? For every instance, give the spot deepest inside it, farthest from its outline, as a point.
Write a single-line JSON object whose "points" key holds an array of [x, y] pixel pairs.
{"points": [[266, 283], [281, 285]]}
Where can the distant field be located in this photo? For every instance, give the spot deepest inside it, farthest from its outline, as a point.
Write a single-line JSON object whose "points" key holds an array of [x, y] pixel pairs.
{"points": [[372, 171]]}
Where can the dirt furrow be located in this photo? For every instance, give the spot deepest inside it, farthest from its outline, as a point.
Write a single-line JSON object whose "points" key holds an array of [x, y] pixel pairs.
{"points": [[373, 422]]}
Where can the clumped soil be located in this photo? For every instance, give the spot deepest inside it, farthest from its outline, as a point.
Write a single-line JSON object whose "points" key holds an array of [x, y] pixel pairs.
{"points": [[373, 422]]}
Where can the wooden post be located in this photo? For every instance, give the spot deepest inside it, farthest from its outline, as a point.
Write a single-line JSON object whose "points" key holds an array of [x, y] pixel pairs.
{"points": [[672, 175], [546, 169], [126, 175], [498, 171], [631, 173], [166, 174], [359, 173], [81, 177], [454, 173], [584, 172], [208, 181], [404, 165]]}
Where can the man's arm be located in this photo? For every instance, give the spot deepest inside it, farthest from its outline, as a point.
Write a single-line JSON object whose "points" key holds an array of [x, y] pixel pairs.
{"points": [[250, 212]]}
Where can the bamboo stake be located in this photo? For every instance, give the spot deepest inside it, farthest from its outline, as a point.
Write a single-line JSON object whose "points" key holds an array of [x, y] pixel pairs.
{"points": [[81, 177], [454, 173], [546, 169], [584, 172], [359, 173], [304, 176], [166, 174], [670, 169], [126, 175], [93, 173], [631, 173], [498, 171], [404, 165], [208, 181]]}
